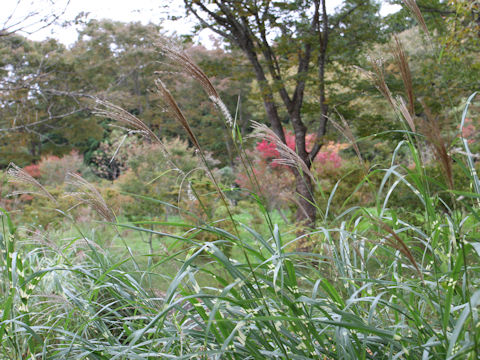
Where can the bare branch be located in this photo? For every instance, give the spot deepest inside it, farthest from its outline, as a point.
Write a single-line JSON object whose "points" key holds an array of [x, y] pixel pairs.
{"points": [[35, 19]]}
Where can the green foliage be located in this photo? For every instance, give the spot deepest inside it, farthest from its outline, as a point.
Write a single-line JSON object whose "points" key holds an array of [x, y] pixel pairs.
{"points": [[46, 87], [229, 74], [34, 76], [38, 211], [463, 28], [151, 174], [54, 169], [5, 189]]}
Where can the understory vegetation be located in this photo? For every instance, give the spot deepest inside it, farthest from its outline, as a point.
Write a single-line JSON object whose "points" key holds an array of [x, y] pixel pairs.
{"points": [[156, 240]]}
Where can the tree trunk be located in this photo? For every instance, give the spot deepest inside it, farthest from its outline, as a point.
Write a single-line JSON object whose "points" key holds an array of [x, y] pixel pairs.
{"points": [[306, 209], [322, 62], [306, 212], [266, 91]]}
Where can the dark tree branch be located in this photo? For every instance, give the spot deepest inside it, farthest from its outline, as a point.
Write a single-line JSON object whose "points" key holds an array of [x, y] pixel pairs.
{"points": [[322, 59], [246, 23], [443, 12], [33, 19], [240, 34], [346, 14], [41, 122]]}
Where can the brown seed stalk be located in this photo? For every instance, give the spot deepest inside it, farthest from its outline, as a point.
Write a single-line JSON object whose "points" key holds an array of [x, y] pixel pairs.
{"points": [[87, 193], [288, 157], [431, 130], [114, 112], [17, 175], [402, 108], [415, 10], [402, 62], [347, 132], [189, 67], [174, 110]]}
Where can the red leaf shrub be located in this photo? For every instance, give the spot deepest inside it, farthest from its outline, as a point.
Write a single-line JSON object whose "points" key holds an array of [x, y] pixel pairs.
{"points": [[267, 149], [327, 158], [33, 170], [277, 183], [53, 168]]}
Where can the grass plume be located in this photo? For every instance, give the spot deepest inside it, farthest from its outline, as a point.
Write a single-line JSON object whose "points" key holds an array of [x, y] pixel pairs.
{"points": [[17, 175], [181, 59], [287, 157], [401, 106], [174, 110], [377, 77], [402, 62], [415, 10], [397, 243], [106, 109], [431, 130], [348, 133], [88, 194]]}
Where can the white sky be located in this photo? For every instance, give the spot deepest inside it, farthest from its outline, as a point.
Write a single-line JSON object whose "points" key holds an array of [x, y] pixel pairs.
{"points": [[155, 11]]}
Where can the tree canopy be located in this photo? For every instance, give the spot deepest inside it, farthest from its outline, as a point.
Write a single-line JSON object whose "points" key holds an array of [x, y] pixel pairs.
{"points": [[285, 42]]}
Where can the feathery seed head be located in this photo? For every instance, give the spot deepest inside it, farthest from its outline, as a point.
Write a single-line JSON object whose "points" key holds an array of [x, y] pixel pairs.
{"points": [[174, 110], [415, 10], [189, 67], [288, 157], [17, 175], [401, 58], [106, 109], [87, 193]]}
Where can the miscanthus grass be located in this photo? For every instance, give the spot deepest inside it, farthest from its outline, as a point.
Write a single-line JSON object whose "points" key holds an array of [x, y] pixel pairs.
{"points": [[381, 287]]}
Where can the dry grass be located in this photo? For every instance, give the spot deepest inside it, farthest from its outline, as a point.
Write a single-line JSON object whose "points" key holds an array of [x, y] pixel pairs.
{"points": [[189, 67], [288, 156], [174, 110], [18, 176], [397, 243], [430, 127], [377, 77], [402, 62], [134, 126], [87, 194], [402, 107], [106, 109], [415, 10], [431, 130], [348, 133]]}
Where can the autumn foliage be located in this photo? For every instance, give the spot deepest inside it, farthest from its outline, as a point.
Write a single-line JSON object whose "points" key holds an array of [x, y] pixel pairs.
{"points": [[276, 180], [329, 157]]}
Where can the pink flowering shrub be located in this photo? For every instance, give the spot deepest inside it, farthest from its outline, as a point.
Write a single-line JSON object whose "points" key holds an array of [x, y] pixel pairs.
{"points": [[276, 181], [53, 168], [267, 149], [33, 170], [328, 158]]}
